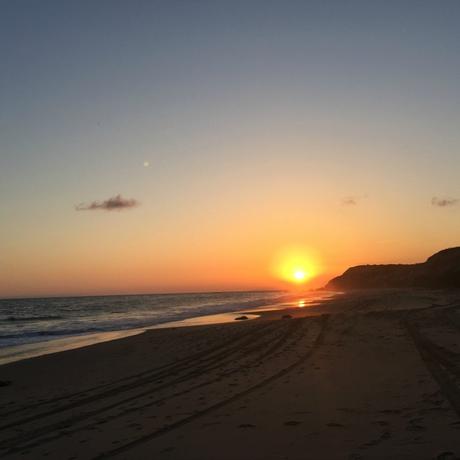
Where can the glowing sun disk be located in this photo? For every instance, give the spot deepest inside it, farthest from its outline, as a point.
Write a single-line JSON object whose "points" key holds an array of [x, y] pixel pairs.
{"points": [[299, 275], [295, 265]]}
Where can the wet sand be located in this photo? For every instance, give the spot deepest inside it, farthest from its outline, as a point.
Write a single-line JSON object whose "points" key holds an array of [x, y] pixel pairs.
{"points": [[373, 375]]}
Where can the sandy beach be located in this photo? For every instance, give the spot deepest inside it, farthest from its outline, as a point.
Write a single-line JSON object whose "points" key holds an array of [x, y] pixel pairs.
{"points": [[370, 375]]}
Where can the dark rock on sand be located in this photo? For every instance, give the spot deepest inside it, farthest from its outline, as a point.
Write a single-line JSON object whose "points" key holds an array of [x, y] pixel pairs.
{"points": [[241, 318]]}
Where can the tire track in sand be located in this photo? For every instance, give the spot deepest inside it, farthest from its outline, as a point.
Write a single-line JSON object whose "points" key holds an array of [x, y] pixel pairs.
{"points": [[168, 428]]}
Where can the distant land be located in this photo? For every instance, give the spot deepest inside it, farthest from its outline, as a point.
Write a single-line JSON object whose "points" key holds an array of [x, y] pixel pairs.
{"points": [[441, 270]]}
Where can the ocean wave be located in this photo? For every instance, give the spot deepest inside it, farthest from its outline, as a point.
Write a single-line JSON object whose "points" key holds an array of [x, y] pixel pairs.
{"points": [[31, 318], [29, 335], [21, 321]]}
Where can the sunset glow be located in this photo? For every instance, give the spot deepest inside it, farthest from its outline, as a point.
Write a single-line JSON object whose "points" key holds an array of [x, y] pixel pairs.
{"points": [[296, 265]]}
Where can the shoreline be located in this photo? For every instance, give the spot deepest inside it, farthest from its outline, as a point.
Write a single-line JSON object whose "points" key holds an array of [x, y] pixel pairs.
{"points": [[56, 345], [36, 349]]}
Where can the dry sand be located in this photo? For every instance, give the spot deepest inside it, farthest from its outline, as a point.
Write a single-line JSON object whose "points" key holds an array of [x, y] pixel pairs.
{"points": [[373, 375]]}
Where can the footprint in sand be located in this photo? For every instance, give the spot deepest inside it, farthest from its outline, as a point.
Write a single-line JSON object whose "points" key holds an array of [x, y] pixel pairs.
{"points": [[390, 411], [381, 423], [446, 456], [414, 424], [292, 423], [347, 410], [210, 424], [383, 437]]}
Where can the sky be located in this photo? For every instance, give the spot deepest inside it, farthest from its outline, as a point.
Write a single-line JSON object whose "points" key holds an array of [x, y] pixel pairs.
{"points": [[158, 146]]}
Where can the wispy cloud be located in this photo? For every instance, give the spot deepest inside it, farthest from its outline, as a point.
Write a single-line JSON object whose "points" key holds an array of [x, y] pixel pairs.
{"points": [[115, 203], [444, 202], [352, 200]]}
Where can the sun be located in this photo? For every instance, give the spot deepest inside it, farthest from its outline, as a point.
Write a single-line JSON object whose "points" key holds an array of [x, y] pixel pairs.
{"points": [[299, 275], [295, 265]]}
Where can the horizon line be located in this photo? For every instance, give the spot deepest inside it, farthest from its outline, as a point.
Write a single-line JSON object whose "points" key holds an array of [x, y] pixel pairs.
{"points": [[141, 294]]}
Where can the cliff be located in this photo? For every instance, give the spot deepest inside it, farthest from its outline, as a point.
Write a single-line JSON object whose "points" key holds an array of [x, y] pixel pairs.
{"points": [[441, 270]]}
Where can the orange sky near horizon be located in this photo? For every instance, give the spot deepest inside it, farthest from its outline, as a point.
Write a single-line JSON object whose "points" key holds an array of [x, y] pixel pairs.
{"points": [[209, 230], [126, 252]]}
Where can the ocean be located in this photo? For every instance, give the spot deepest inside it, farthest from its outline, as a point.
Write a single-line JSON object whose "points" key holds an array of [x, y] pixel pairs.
{"points": [[25, 321]]}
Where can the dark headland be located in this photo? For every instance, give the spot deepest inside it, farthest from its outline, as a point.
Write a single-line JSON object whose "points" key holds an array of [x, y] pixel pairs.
{"points": [[441, 270]]}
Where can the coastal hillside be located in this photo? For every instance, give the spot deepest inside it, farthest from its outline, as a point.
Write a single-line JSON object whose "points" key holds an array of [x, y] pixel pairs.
{"points": [[441, 270]]}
